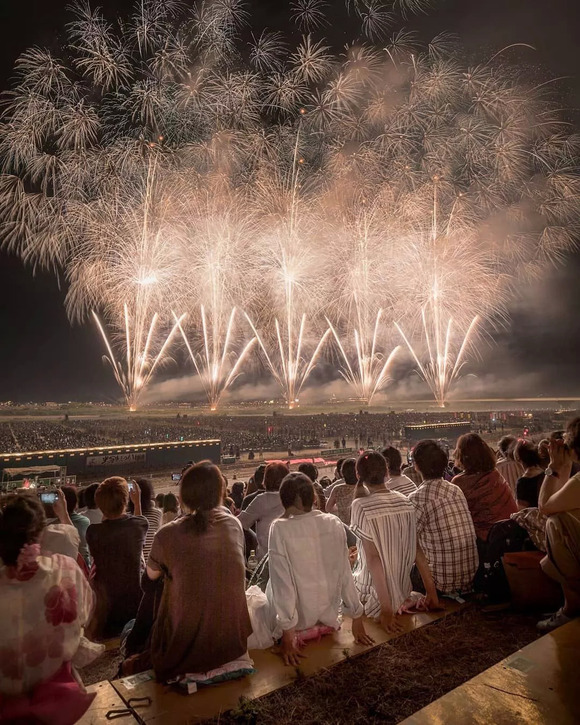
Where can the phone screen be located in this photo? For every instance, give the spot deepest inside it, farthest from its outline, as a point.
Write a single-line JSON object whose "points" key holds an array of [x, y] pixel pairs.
{"points": [[176, 476], [49, 497], [131, 486]]}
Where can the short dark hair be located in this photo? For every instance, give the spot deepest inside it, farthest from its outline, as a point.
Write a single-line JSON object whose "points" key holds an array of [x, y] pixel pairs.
{"points": [[310, 470], [259, 475], [201, 490], [71, 497], [348, 471], [430, 459], [527, 453], [274, 475], [339, 462], [90, 492], [112, 496], [22, 520], [297, 484], [474, 455], [506, 445], [572, 435], [371, 468], [393, 458]]}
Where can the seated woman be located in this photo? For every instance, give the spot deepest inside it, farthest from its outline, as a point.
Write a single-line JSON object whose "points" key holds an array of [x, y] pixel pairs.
{"points": [[46, 602], [529, 483], [488, 495], [116, 547], [203, 620], [342, 495], [307, 591]]}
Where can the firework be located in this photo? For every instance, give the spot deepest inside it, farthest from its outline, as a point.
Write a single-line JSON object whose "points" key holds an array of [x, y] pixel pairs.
{"points": [[290, 257], [216, 229], [218, 365], [317, 196], [141, 357]]}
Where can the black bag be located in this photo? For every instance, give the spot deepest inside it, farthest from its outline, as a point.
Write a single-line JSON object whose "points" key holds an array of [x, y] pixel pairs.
{"points": [[490, 579]]}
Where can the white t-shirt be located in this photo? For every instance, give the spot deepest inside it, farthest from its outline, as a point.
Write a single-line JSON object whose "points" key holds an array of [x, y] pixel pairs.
{"points": [[310, 574]]}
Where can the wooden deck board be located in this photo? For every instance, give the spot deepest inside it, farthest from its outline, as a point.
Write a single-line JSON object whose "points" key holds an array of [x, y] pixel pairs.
{"points": [[537, 685], [172, 708], [107, 699]]}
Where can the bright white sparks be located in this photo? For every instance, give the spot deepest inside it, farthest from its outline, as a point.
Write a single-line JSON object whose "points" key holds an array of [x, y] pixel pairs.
{"points": [[363, 208]]}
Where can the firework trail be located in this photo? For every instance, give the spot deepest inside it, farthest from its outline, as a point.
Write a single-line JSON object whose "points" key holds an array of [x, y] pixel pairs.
{"points": [[141, 362], [291, 261], [365, 288], [216, 230]]}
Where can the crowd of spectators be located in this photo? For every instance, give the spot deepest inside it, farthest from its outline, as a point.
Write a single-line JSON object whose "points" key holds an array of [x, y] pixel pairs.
{"points": [[241, 434], [192, 582]]}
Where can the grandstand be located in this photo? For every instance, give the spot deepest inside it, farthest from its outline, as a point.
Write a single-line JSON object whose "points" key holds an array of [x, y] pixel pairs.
{"points": [[449, 431], [95, 462]]}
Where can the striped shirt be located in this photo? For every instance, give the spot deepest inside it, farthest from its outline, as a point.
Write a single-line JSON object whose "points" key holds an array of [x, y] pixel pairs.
{"points": [[402, 484], [153, 516], [386, 518], [446, 534]]}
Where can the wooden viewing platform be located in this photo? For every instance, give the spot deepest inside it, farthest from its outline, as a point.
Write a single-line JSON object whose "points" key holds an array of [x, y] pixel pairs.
{"points": [[537, 685]]}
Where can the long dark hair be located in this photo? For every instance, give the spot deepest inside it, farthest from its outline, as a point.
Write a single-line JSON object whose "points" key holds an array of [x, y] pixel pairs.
{"points": [[22, 520], [474, 455], [201, 489]]}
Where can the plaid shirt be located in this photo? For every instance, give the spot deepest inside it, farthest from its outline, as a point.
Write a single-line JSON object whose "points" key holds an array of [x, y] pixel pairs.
{"points": [[446, 534]]}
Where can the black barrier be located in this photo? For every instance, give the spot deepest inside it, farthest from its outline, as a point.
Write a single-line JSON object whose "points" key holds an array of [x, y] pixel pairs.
{"points": [[126, 459]]}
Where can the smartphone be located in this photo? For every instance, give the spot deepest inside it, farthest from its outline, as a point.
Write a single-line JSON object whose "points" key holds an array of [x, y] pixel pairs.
{"points": [[49, 497], [131, 486], [176, 476]]}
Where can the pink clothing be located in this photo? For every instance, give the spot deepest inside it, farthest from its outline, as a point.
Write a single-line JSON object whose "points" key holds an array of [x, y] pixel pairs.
{"points": [[58, 701], [45, 605]]}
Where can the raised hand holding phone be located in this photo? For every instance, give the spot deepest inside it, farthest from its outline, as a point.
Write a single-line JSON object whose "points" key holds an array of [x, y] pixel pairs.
{"points": [[135, 496]]}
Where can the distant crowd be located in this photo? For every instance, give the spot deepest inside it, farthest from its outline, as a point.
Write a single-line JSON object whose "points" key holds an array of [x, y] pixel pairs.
{"points": [[192, 582], [238, 434]]}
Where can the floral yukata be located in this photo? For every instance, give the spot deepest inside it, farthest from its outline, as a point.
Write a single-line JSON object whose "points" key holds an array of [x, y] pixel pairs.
{"points": [[45, 603]]}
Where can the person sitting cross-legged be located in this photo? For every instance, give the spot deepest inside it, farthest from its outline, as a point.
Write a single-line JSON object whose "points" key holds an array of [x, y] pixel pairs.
{"points": [[559, 500], [310, 574], [384, 522], [444, 525]]}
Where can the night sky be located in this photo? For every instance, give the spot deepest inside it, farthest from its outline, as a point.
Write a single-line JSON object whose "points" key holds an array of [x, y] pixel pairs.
{"points": [[44, 358]]}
